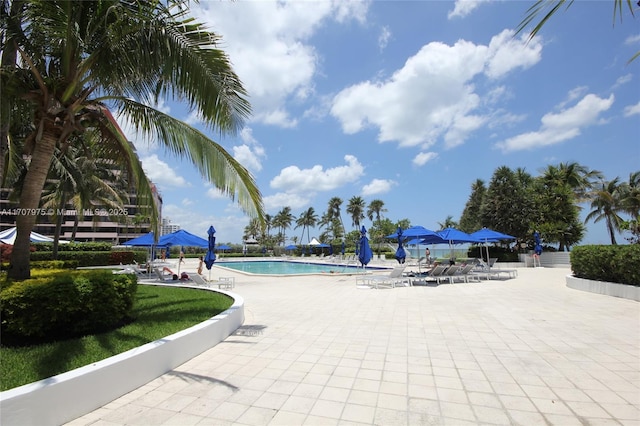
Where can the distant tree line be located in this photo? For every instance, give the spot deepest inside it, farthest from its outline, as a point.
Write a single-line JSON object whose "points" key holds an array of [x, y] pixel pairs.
{"points": [[514, 202]]}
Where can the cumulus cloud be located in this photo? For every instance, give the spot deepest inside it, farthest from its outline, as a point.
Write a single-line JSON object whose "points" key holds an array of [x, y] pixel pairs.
{"points": [[433, 95], [378, 186], [632, 110], [161, 173], [300, 181], [463, 8], [423, 158], [269, 45], [251, 153], [561, 126], [281, 199]]}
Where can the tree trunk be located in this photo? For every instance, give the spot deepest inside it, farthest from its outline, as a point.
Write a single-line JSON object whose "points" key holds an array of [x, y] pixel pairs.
{"points": [[28, 207]]}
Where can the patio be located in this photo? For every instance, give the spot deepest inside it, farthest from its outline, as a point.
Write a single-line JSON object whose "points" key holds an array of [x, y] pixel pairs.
{"points": [[525, 351]]}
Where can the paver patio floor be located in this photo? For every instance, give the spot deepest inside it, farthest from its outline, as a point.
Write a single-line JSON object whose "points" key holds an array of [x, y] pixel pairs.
{"points": [[319, 351]]}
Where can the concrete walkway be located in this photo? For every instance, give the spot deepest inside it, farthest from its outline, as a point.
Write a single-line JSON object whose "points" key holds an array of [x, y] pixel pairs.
{"points": [[319, 351]]}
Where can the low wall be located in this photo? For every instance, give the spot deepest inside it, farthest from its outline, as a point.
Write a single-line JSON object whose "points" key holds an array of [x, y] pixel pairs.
{"points": [[64, 397], [625, 291]]}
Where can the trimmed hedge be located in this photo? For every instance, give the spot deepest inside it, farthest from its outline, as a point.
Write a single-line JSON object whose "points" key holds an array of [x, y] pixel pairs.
{"points": [[616, 264], [62, 304]]}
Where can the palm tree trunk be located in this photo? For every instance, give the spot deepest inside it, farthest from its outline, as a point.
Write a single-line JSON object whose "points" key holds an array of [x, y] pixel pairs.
{"points": [[28, 207]]}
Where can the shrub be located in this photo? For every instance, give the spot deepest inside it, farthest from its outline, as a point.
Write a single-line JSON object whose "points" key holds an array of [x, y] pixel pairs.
{"points": [[617, 264], [64, 304]]}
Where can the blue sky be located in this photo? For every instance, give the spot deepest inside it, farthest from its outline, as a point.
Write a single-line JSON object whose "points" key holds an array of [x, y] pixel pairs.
{"points": [[408, 102]]}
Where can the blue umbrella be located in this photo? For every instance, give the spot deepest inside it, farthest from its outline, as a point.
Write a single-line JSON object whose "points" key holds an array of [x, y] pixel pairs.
{"points": [[455, 236], [537, 250], [364, 253], [291, 247], [490, 236], [401, 255], [342, 248], [330, 250], [210, 257]]}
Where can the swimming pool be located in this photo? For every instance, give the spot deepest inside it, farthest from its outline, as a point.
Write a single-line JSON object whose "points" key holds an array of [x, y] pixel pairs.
{"points": [[282, 267]]}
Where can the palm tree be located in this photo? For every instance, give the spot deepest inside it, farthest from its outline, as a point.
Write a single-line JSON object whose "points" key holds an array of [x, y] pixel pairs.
{"points": [[78, 178], [333, 210], [355, 208], [283, 220], [253, 229], [448, 223], [81, 59], [307, 220], [605, 205]]}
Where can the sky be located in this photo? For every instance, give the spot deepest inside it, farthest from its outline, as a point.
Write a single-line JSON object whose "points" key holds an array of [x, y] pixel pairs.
{"points": [[408, 102]]}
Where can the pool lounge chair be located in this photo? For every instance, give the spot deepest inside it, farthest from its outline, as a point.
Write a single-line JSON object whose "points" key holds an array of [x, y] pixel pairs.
{"points": [[393, 279], [221, 282], [437, 274]]}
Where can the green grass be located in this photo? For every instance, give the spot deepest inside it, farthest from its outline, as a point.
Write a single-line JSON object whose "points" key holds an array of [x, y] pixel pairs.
{"points": [[159, 312]]}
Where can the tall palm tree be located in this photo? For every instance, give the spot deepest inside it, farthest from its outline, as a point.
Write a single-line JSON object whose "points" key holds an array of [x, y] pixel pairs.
{"points": [[307, 220], [355, 208], [374, 210], [605, 205], [81, 59], [333, 209], [283, 220]]}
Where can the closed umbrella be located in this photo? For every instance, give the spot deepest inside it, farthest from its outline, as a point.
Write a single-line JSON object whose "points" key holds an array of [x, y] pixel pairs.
{"points": [[401, 255], [537, 250], [210, 257], [364, 250]]}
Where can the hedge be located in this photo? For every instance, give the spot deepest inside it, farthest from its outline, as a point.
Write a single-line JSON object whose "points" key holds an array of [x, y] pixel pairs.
{"points": [[63, 304], [611, 263]]}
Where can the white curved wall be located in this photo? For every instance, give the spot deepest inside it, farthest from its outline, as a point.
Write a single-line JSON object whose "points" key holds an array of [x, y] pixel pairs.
{"points": [[92, 386]]}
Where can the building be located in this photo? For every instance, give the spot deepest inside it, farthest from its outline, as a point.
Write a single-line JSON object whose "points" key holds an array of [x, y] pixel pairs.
{"points": [[168, 227]]}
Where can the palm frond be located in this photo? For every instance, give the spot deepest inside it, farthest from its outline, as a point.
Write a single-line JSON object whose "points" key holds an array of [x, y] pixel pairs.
{"points": [[211, 159]]}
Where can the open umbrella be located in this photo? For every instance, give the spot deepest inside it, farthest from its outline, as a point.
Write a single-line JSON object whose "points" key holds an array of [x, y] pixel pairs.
{"points": [[401, 255], [364, 250], [426, 236], [210, 257], [455, 236], [490, 236]]}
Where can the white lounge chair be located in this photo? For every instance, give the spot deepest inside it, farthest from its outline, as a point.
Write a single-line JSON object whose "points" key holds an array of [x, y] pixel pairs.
{"points": [[221, 282], [391, 280]]}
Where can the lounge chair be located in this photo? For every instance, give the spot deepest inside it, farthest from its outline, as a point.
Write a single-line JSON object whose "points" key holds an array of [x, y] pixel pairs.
{"points": [[221, 282], [391, 280], [437, 274], [465, 273], [160, 276]]}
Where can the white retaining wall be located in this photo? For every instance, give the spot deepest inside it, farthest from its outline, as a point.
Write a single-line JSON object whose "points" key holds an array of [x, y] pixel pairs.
{"points": [[625, 291], [62, 398]]}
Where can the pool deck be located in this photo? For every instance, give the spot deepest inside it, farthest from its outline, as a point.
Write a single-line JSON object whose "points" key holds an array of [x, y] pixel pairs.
{"points": [[317, 350]]}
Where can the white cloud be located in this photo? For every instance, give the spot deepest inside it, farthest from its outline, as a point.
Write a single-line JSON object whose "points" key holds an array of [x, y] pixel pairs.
{"points": [[433, 95], [276, 202], [424, 157], [561, 126], [632, 110], [161, 173], [297, 181], [507, 53], [378, 186], [268, 43], [464, 7], [383, 38], [632, 39]]}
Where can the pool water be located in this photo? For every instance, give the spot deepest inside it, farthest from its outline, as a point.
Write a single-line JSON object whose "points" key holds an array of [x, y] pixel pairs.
{"points": [[269, 267]]}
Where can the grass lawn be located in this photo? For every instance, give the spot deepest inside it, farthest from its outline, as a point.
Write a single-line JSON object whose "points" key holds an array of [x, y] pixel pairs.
{"points": [[160, 312]]}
